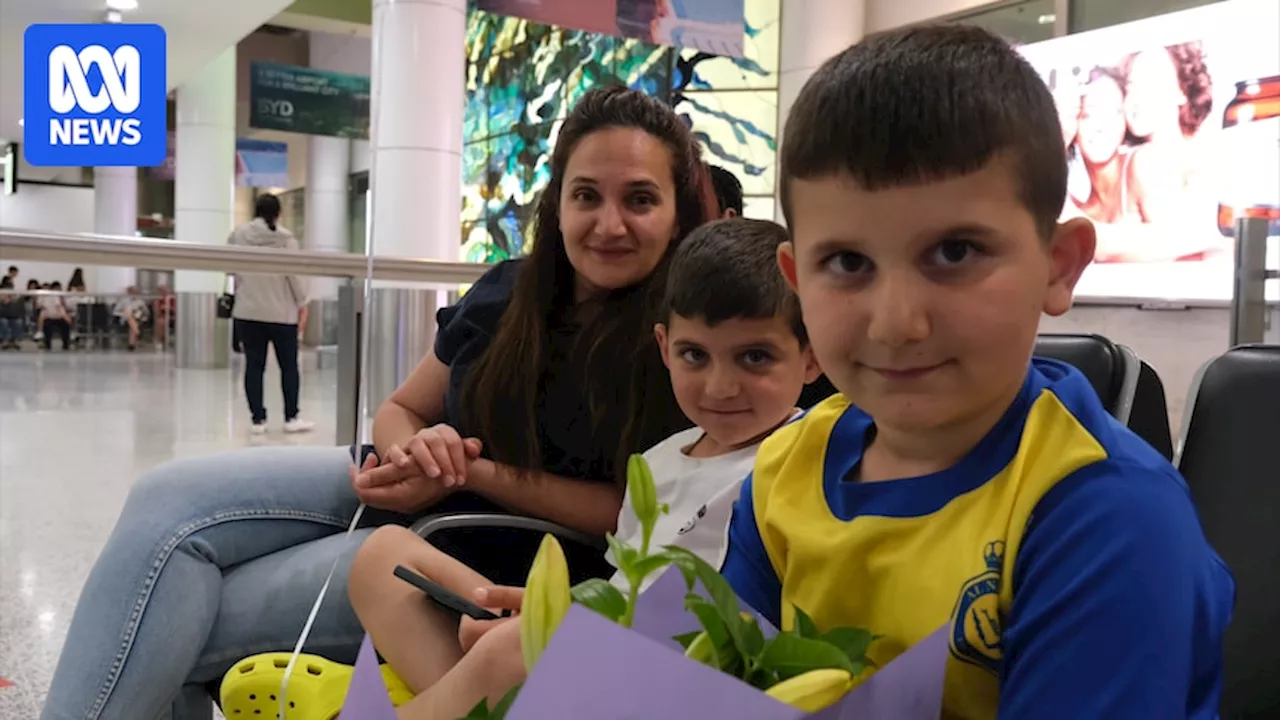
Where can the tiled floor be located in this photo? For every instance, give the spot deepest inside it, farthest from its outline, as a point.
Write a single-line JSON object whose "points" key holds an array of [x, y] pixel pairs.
{"points": [[75, 431]]}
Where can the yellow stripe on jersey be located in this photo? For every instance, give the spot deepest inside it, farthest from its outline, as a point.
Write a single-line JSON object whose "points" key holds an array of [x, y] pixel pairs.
{"points": [[958, 531]]}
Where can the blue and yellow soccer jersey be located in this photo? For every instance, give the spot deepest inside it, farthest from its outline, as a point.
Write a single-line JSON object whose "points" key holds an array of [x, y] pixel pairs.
{"points": [[1062, 552]]}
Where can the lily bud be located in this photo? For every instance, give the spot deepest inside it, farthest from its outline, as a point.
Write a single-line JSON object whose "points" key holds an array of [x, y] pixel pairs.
{"points": [[814, 690], [546, 599]]}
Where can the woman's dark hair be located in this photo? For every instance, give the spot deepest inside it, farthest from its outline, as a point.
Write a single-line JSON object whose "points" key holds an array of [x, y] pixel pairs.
{"points": [[624, 375], [6, 283], [1196, 84], [267, 207], [33, 284], [55, 285], [77, 279]]}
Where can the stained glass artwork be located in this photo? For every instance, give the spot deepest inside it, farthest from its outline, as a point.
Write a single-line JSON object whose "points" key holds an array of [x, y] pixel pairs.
{"points": [[523, 77], [731, 104]]}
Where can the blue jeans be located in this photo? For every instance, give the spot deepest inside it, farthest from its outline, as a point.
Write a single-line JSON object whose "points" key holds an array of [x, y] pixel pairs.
{"points": [[12, 329], [213, 559]]}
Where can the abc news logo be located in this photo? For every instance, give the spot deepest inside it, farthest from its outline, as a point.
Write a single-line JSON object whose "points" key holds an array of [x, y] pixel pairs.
{"points": [[69, 90], [95, 95]]}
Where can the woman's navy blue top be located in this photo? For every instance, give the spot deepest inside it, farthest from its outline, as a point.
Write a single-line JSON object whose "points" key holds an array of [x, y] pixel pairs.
{"points": [[572, 445]]}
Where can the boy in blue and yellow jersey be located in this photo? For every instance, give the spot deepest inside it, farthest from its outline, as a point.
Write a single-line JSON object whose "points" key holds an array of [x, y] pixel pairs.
{"points": [[951, 483]]}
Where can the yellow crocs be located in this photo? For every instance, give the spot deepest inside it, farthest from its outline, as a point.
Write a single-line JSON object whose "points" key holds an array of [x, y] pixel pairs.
{"points": [[317, 688]]}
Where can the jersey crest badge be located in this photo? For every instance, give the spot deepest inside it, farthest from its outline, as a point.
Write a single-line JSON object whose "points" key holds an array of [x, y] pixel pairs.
{"points": [[975, 622]]}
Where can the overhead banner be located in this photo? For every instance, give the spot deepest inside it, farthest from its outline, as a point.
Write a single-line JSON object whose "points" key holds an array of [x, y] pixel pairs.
{"points": [[714, 26], [306, 100], [1172, 129]]}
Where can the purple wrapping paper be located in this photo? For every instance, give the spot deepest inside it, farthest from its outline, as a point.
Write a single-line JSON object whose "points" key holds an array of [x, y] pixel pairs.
{"points": [[367, 696], [596, 669]]}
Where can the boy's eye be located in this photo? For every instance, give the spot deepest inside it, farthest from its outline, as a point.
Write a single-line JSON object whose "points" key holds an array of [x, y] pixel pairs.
{"points": [[756, 358], [847, 263], [952, 251]]}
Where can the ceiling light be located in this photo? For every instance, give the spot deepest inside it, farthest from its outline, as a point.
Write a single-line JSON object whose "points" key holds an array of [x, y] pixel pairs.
{"points": [[122, 5], [1047, 19], [20, 122], [113, 17]]}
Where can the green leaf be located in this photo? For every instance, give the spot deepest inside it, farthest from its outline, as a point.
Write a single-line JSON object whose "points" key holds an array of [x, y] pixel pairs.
{"points": [[804, 626], [602, 597], [722, 596], [752, 637], [646, 566], [791, 655], [624, 556], [479, 712], [687, 639], [853, 642], [708, 617]]}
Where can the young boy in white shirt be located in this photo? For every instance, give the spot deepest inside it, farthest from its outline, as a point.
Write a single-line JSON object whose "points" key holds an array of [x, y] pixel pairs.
{"points": [[738, 355]]}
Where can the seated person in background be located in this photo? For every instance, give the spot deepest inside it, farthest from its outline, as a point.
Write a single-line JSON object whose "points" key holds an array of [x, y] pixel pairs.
{"points": [[737, 354], [728, 191], [54, 318], [130, 311], [13, 315], [951, 483]]}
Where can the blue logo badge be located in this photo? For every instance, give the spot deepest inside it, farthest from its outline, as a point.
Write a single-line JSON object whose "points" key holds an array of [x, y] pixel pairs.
{"points": [[94, 95], [975, 621]]}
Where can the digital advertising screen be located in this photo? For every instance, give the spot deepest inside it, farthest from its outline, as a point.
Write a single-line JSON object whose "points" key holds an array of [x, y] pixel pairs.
{"points": [[1172, 129]]}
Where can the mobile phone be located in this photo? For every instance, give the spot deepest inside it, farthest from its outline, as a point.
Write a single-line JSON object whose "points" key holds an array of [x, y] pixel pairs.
{"points": [[445, 597]]}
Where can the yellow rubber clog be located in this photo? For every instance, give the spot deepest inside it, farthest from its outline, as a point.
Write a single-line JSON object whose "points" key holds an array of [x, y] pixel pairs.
{"points": [[317, 688]]}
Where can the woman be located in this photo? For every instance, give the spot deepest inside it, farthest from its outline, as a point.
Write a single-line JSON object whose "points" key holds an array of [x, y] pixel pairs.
{"points": [[266, 313], [216, 559], [1168, 96], [1101, 132]]}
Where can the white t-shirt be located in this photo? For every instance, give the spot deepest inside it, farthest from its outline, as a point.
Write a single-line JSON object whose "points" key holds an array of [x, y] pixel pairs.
{"points": [[700, 493]]}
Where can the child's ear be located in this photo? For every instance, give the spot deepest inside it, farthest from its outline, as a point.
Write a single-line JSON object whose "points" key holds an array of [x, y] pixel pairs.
{"points": [[812, 370], [660, 334], [1070, 252], [787, 262]]}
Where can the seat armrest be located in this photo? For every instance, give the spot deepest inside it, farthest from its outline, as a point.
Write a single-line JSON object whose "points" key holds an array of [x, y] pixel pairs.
{"points": [[428, 526]]}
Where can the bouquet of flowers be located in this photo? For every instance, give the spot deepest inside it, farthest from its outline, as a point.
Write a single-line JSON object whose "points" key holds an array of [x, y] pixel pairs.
{"points": [[703, 655]]}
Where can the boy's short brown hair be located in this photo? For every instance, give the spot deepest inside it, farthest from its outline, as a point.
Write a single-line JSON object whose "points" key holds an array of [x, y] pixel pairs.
{"points": [[923, 104], [729, 269]]}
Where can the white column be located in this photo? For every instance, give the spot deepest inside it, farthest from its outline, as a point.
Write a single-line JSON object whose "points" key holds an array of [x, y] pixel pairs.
{"points": [[115, 212], [328, 165], [418, 93], [204, 187], [360, 153], [812, 31]]}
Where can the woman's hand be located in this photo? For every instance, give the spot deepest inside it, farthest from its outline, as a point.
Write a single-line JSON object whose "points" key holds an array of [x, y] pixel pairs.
{"points": [[402, 490], [439, 452], [496, 599]]}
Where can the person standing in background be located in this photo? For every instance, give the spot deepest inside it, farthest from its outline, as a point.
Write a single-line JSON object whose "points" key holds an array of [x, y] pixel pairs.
{"points": [[266, 313]]}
